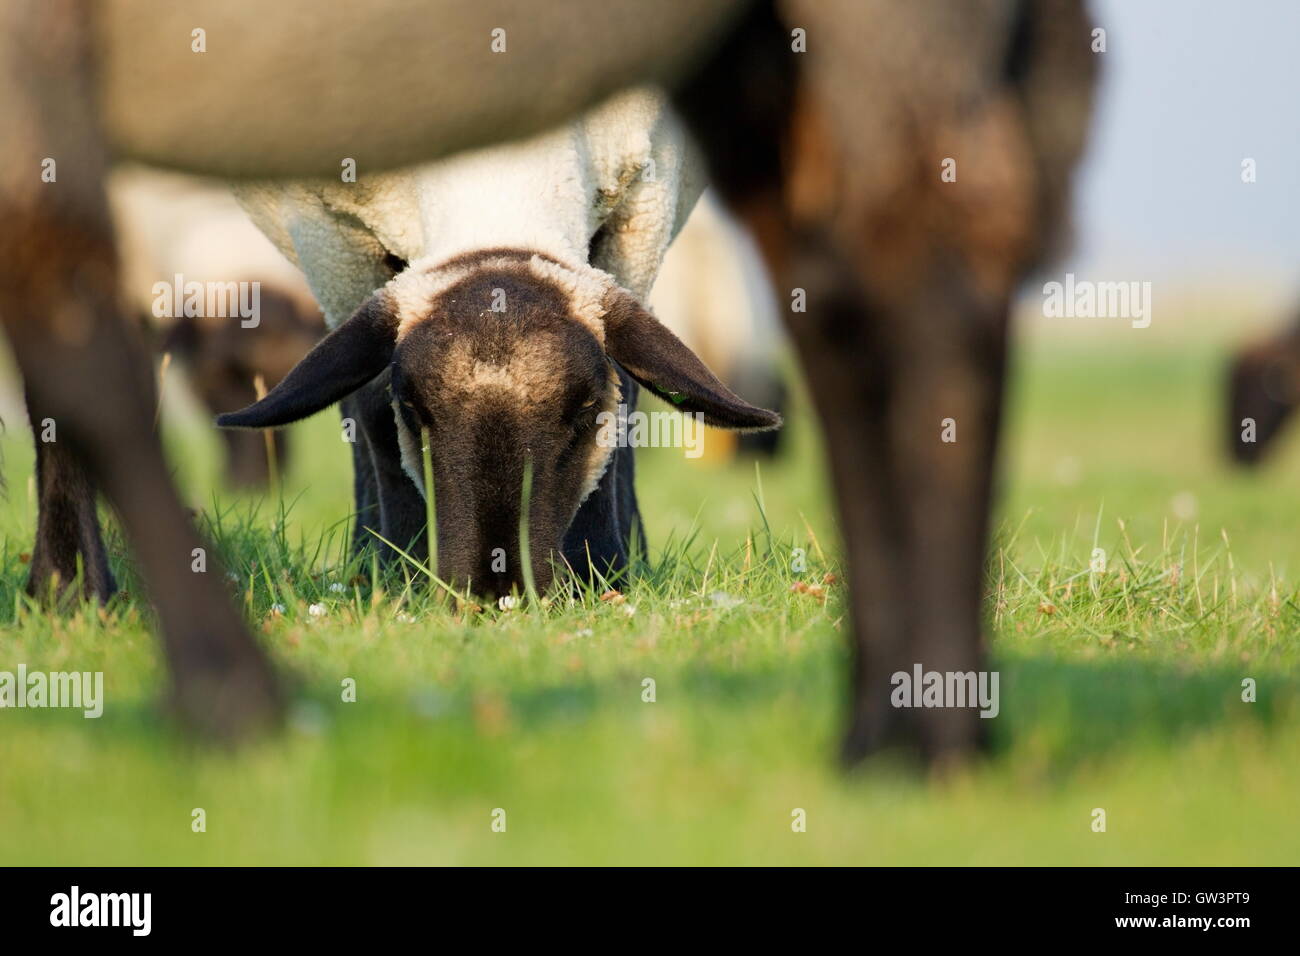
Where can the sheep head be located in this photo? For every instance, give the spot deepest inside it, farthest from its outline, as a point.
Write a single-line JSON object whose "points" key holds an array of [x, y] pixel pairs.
{"points": [[504, 359]]}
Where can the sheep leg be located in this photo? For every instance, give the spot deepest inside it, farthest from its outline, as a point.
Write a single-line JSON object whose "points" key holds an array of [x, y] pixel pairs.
{"points": [[853, 382], [222, 682], [913, 506], [744, 128], [248, 465], [365, 493], [86, 367], [938, 259], [599, 539], [913, 509], [68, 540], [401, 511], [906, 279]]}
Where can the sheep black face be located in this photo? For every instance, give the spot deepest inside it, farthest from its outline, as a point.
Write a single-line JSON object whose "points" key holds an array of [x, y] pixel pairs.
{"points": [[505, 361], [499, 393]]}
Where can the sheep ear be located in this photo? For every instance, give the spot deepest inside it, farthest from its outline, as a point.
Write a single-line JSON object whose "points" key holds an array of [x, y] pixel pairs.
{"points": [[662, 363], [342, 362]]}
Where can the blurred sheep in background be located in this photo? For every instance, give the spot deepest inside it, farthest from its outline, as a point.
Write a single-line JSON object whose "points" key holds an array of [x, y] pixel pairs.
{"points": [[176, 229], [1263, 391]]}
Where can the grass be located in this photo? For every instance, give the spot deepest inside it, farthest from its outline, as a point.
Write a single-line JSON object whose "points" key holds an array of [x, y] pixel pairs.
{"points": [[1121, 689]]}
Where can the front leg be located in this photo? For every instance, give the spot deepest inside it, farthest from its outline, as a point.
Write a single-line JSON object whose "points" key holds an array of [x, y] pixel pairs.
{"points": [[599, 539], [365, 490], [400, 506]]}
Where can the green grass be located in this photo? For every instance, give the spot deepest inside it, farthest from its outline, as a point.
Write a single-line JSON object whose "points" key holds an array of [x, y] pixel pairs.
{"points": [[1120, 689]]}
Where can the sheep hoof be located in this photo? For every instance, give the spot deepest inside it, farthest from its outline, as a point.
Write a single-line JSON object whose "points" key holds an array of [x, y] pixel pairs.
{"points": [[230, 703]]}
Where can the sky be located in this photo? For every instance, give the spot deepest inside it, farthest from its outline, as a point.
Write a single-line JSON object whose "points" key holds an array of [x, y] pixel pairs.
{"points": [[1189, 89]]}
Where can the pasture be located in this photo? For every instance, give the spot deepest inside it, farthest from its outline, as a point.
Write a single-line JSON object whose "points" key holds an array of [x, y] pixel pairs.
{"points": [[1120, 689]]}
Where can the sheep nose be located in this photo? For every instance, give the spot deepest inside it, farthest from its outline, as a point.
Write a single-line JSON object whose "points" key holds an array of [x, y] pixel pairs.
{"points": [[493, 575], [496, 585]]}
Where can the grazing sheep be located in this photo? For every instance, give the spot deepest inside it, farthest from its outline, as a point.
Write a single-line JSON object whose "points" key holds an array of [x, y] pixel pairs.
{"points": [[826, 125], [494, 300], [226, 365], [1263, 392], [172, 229]]}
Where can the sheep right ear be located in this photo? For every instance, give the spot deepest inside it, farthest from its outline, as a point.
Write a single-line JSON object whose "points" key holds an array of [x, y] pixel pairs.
{"points": [[342, 362], [662, 363]]}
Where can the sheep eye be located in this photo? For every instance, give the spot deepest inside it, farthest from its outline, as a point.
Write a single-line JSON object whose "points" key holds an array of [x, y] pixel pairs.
{"points": [[410, 414]]}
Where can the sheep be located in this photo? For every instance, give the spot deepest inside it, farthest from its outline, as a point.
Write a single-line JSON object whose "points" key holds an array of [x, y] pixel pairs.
{"points": [[826, 126], [1263, 392], [508, 317], [174, 228]]}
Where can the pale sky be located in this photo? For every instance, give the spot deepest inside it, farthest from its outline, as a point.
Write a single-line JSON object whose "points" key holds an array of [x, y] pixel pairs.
{"points": [[1189, 89]]}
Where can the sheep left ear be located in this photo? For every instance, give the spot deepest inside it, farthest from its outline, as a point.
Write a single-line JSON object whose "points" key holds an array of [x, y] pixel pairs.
{"points": [[662, 363], [342, 362]]}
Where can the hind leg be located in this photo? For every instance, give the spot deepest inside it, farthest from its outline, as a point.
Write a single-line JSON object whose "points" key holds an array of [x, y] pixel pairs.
{"points": [[86, 368], [222, 683], [68, 540], [395, 511], [834, 158]]}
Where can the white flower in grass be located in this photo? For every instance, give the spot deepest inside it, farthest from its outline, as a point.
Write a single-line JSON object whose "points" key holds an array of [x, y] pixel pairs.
{"points": [[316, 610], [405, 618], [337, 588], [277, 608], [629, 609], [507, 602]]}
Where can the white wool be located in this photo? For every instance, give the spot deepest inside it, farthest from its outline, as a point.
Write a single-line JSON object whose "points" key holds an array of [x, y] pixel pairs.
{"points": [[625, 166]]}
